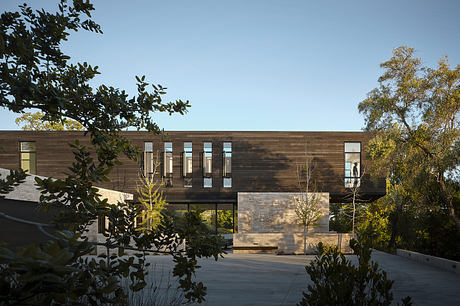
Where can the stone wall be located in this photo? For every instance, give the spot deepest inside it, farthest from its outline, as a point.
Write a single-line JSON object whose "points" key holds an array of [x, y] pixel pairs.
{"points": [[442, 263], [288, 243], [274, 212], [267, 222]]}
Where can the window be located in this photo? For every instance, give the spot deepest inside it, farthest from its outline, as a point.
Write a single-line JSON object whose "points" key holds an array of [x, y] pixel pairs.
{"points": [[149, 163], [207, 165], [187, 164], [102, 224], [227, 182], [207, 182], [352, 164], [227, 164], [208, 215], [28, 157], [218, 218], [168, 164]]}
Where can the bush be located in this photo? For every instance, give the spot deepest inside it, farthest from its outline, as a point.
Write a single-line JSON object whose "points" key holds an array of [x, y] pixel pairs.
{"points": [[336, 281]]}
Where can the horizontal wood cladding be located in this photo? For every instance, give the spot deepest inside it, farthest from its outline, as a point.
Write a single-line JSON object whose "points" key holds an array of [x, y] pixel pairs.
{"points": [[261, 161]]}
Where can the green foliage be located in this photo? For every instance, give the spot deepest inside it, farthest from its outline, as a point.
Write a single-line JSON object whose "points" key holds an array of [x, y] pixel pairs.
{"points": [[336, 281], [56, 273], [340, 217], [199, 244], [151, 200], [35, 122], [15, 178], [225, 220], [374, 228], [414, 113], [395, 222], [35, 74]]}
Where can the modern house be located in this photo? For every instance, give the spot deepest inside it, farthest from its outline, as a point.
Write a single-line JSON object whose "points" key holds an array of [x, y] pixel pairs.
{"points": [[243, 181]]}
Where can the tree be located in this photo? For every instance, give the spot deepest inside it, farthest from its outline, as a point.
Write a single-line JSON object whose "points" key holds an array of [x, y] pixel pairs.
{"points": [[415, 115], [337, 281], [355, 196], [36, 74], [35, 122], [150, 197], [307, 205]]}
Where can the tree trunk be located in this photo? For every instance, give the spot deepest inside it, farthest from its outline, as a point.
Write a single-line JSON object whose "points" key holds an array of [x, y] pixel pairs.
{"points": [[304, 240], [450, 206], [353, 218]]}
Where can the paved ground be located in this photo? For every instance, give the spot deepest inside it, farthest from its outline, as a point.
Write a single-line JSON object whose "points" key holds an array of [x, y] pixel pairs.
{"points": [[279, 280]]}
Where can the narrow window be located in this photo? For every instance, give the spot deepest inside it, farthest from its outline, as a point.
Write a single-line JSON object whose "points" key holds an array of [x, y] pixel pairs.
{"points": [[187, 164], [227, 164], [207, 165], [168, 164], [102, 224], [149, 166], [352, 164], [28, 157]]}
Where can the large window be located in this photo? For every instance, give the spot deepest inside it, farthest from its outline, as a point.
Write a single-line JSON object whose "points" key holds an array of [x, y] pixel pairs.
{"points": [[207, 165], [187, 164], [168, 164], [208, 215], [352, 164], [218, 218], [225, 218], [28, 157], [227, 164]]}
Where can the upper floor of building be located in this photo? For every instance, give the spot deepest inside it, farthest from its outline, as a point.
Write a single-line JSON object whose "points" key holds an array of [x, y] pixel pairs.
{"points": [[212, 166]]}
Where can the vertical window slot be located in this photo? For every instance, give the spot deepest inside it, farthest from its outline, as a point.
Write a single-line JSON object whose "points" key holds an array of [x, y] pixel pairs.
{"points": [[28, 157]]}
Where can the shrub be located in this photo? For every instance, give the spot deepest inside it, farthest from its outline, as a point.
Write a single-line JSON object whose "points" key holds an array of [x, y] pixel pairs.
{"points": [[336, 281]]}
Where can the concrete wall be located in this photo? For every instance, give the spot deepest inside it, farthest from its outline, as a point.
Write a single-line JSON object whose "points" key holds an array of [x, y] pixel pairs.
{"points": [[442, 263], [274, 212], [27, 191]]}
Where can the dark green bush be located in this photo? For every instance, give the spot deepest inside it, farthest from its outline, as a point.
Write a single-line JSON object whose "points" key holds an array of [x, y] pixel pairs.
{"points": [[336, 281]]}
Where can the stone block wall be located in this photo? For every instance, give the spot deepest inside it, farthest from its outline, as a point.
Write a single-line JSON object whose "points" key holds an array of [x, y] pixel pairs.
{"points": [[267, 222], [288, 243], [274, 212]]}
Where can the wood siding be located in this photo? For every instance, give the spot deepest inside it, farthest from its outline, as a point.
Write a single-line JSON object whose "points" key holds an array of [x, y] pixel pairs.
{"points": [[261, 161]]}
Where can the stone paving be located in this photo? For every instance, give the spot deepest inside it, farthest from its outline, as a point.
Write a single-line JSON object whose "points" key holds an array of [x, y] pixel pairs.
{"points": [[265, 279]]}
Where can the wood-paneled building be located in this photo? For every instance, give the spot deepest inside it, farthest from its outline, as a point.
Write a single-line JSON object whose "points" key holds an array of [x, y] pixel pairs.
{"points": [[211, 167]]}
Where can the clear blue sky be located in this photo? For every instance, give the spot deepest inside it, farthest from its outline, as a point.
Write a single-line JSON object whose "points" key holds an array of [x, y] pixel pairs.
{"points": [[259, 65]]}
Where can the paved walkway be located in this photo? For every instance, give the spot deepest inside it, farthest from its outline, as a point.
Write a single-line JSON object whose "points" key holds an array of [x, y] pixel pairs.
{"points": [[267, 279]]}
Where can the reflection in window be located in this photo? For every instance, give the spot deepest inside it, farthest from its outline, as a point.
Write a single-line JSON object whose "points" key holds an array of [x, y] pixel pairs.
{"points": [[218, 218], [168, 164], [28, 157], [148, 164], [227, 182], [177, 210], [207, 182], [227, 164], [187, 166], [352, 164], [227, 171], [225, 217], [207, 165], [208, 215]]}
